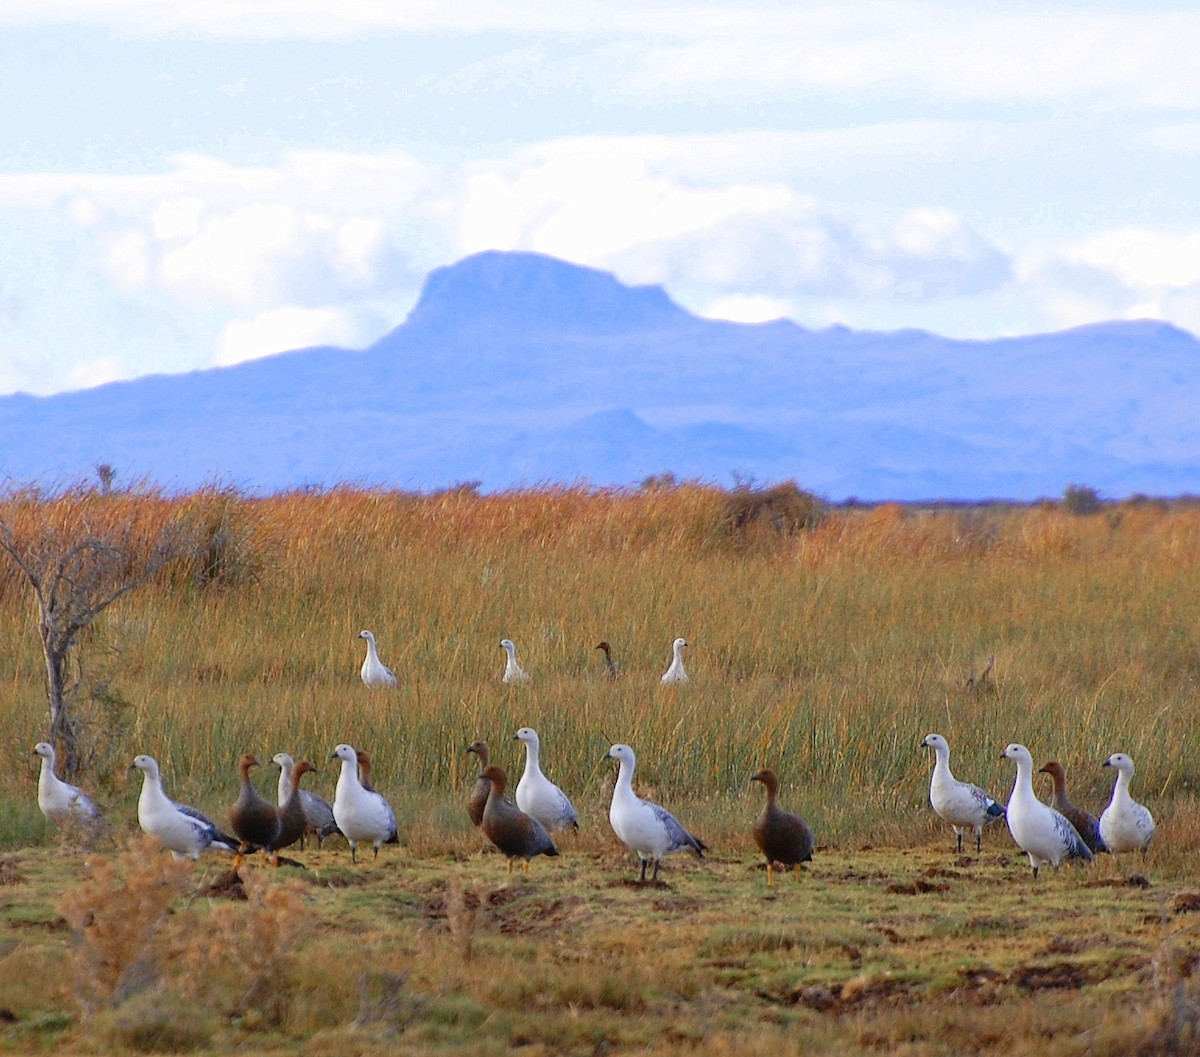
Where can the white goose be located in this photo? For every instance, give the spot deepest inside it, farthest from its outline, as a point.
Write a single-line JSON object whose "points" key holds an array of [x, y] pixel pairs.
{"points": [[675, 673], [536, 794], [963, 805], [1040, 831], [62, 803], [643, 826], [183, 830], [513, 672], [317, 810], [1125, 824], [360, 814], [374, 672]]}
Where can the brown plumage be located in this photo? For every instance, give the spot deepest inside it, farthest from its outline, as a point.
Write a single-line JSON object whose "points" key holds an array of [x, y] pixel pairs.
{"points": [[254, 821], [515, 833], [782, 838], [1085, 823], [293, 822], [364, 770], [610, 669], [483, 786]]}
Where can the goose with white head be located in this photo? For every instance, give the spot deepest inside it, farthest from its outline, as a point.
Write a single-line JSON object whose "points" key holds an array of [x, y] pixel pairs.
{"points": [[1042, 833]]}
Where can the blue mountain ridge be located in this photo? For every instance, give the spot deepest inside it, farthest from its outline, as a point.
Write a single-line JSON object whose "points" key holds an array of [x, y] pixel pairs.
{"points": [[519, 369]]}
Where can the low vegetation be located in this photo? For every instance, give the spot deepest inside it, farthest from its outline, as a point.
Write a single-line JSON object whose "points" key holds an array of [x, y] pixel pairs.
{"points": [[825, 642]]}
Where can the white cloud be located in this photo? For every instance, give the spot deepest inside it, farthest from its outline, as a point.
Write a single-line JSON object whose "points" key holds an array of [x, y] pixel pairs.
{"points": [[280, 330], [1142, 259], [748, 308], [95, 372]]}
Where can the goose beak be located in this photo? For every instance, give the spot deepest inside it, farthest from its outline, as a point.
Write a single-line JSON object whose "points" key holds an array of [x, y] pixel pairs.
{"points": [[1107, 763]]}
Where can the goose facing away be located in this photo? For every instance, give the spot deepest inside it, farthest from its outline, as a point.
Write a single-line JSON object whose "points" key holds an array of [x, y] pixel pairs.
{"points": [[293, 822], [374, 672], [1125, 824], [536, 794], [963, 805], [62, 803], [781, 837], [183, 830], [1041, 832], [646, 828], [517, 834], [254, 820], [318, 812], [483, 786], [611, 671], [361, 814], [1086, 824], [513, 672], [675, 673]]}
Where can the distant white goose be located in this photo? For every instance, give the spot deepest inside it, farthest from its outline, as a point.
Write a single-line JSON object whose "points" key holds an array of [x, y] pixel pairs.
{"points": [[536, 794], [318, 811], [62, 803], [361, 815], [675, 673], [374, 672], [1041, 832], [963, 805], [1125, 824], [183, 830], [513, 672], [643, 826]]}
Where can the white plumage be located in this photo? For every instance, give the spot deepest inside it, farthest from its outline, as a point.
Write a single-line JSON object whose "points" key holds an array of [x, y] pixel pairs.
{"points": [[675, 673], [183, 830], [1125, 824], [374, 672], [513, 672], [643, 826], [62, 803], [536, 794], [318, 811], [360, 814], [963, 805], [1041, 832]]}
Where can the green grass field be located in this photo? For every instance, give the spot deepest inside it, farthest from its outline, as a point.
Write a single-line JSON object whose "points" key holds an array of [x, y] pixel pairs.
{"points": [[825, 650]]}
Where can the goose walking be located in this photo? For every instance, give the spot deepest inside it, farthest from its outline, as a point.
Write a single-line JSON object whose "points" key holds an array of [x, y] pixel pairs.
{"points": [[1041, 832], [518, 835], [611, 671], [513, 672], [183, 830], [963, 805], [483, 785], [374, 672], [255, 821], [536, 794], [361, 815], [644, 827], [318, 812], [1125, 824], [1086, 824], [781, 837], [62, 803], [675, 673]]}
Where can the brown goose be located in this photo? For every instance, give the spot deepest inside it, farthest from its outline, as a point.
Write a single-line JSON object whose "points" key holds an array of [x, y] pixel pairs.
{"points": [[1085, 823], [782, 838], [293, 822], [611, 671], [254, 821], [515, 833], [483, 786]]}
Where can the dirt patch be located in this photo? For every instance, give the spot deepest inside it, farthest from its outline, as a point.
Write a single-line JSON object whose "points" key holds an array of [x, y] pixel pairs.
{"points": [[1066, 976], [226, 886], [940, 871], [1186, 903], [914, 888], [1136, 880]]}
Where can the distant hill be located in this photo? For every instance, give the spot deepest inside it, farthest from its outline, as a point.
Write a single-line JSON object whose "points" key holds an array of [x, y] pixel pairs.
{"points": [[519, 369]]}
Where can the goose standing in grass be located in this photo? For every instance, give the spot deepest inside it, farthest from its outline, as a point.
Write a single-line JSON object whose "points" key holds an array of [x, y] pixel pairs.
{"points": [[183, 830], [1041, 832], [611, 671], [641, 825], [361, 814], [255, 821], [536, 794], [781, 837], [1086, 824], [293, 822], [675, 673], [517, 834], [364, 778], [62, 803], [318, 812], [513, 672], [1125, 824], [374, 672], [483, 785], [963, 805]]}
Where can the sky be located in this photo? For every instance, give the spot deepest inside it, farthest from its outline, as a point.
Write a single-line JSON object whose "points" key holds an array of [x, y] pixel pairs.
{"points": [[185, 186]]}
